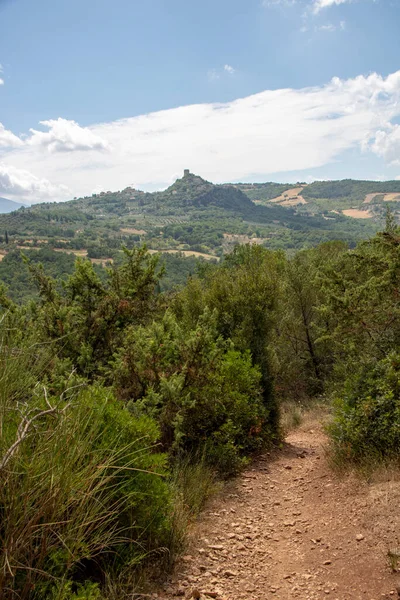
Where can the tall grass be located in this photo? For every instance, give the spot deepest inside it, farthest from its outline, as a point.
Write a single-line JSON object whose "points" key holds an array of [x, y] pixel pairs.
{"points": [[84, 488]]}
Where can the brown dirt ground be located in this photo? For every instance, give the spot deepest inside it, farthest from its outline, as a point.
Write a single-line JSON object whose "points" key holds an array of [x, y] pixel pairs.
{"points": [[288, 527], [133, 230], [290, 197], [386, 197], [186, 253], [357, 214]]}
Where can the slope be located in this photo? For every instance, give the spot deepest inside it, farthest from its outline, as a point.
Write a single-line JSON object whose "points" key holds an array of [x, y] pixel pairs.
{"points": [[292, 528]]}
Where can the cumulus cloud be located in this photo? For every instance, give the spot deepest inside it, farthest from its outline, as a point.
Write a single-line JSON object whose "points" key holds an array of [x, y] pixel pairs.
{"points": [[387, 144], [251, 138], [321, 4], [66, 136], [21, 184], [229, 69], [8, 139]]}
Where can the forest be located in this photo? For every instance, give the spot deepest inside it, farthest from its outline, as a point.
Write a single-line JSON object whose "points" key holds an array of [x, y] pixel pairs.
{"points": [[123, 403]]}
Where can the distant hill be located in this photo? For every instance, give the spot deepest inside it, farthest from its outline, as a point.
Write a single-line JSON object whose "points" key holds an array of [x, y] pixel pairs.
{"points": [[194, 217], [192, 191], [7, 206]]}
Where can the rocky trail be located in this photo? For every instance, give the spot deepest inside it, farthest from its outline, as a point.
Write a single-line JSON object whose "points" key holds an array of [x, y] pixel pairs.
{"points": [[289, 527]]}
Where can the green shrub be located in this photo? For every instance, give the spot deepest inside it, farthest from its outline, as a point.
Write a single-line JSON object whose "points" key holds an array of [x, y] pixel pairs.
{"points": [[367, 418], [82, 491], [205, 395]]}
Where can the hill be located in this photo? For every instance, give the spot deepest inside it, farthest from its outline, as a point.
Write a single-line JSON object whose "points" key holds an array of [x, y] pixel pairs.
{"points": [[7, 205], [197, 220]]}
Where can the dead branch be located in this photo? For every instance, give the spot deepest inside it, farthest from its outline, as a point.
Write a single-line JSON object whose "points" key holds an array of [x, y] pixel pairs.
{"points": [[27, 423]]}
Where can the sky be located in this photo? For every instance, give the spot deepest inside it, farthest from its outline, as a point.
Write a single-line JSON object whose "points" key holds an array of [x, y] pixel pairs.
{"points": [[98, 95]]}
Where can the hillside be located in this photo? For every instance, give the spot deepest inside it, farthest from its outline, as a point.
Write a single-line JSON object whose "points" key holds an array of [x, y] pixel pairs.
{"points": [[196, 219], [122, 410], [7, 206]]}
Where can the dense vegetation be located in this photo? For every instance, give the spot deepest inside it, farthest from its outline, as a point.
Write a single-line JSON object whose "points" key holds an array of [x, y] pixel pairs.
{"points": [[123, 399], [196, 215]]}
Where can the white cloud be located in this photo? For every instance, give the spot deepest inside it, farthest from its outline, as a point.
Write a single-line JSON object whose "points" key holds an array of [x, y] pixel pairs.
{"points": [[21, 184], [274, 3], [8, 139], [321, 4], [229, 69], [1, 70], [66, 136], [387, 144], [216, 74], [329, 27], [250, 138]]}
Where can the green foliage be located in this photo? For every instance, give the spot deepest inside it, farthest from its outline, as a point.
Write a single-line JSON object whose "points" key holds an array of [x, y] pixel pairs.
{"points": [[82, 485], [367, 421], [349, 188], [120, 403], [205, 395], [244, 292], [87, 318], [361, 311], [303, 355]]}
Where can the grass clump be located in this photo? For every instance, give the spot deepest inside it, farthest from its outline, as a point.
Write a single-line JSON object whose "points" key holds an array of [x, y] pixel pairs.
{"points": [[84, 489]]}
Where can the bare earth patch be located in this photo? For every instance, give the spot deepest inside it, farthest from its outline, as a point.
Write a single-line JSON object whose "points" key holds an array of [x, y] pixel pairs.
{"points": [[357, 214], [290, 197], [133, 231], [237, 238], [391, 198], [101, 261], [369, 197], [290, 527], [185, 253], [386, 197], [81, 253]]}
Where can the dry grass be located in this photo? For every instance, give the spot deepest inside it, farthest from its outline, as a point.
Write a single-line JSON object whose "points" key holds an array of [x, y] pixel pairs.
{"points": [[294, 414], [237, 238], [133, 230], [81, 253], [391, 198], [369, 197], [386, 197], [355, 213], [101, 261], [186, 253], [290, 197]]}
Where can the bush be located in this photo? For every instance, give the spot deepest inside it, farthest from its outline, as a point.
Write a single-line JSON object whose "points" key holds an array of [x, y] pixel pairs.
{"points": [[205, 395], [367, 419], [82, 487]]}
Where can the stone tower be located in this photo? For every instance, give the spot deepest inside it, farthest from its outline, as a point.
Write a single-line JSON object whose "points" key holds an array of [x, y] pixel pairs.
{"points": [[186, 173]]}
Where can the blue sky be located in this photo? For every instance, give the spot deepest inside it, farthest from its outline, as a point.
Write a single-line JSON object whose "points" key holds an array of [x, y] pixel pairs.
{"points": [[100, 95]]}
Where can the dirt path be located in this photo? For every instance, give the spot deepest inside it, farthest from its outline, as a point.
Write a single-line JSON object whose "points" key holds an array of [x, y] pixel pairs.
{"points": [[290, 528]]}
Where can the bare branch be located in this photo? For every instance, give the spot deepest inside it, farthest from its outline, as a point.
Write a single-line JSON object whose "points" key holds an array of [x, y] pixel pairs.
{"points": [[27, 423]]}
